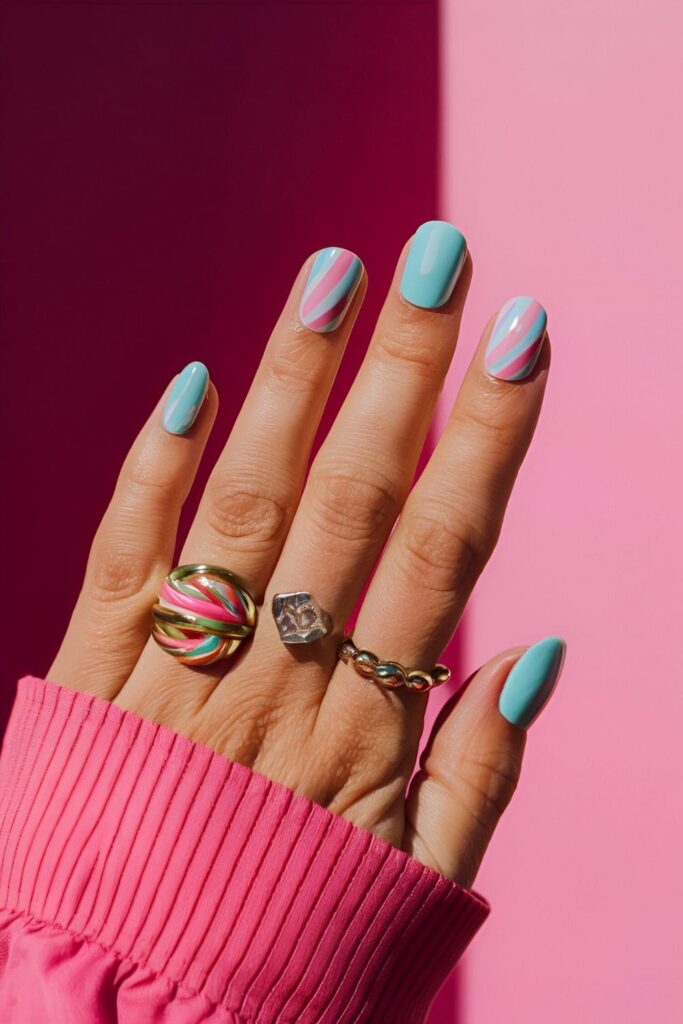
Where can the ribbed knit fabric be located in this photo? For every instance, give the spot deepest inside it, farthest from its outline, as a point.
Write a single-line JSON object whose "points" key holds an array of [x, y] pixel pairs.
{"points": [[145, 878]]}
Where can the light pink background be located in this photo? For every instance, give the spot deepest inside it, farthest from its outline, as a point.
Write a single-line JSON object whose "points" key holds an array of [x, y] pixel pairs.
{"points": [[562, 163]]}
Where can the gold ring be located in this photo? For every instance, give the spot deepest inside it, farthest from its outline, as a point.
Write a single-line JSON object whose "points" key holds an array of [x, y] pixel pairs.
{"points": [[390, 673]]}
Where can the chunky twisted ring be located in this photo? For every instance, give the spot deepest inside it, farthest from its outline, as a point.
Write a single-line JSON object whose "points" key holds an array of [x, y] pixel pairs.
{"points": [[203, 614], [390, 673]]}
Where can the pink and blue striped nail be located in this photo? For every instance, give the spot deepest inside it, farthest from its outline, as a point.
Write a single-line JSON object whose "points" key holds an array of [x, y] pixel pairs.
{"points": [[332, 283], [516, 339]]}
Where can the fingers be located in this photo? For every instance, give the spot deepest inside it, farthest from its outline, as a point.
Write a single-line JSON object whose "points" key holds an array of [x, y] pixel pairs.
{"points": [[364, 469], [254, 488], [250, 498], [451, 521], [134, 544], [471, 765]]}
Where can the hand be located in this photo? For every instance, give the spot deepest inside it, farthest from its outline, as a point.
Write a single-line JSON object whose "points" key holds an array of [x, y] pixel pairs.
{"points": [[298, 715]]}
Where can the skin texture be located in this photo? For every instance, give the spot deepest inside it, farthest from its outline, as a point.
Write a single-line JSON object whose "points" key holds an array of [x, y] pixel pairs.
{"points": [[297, 715]]}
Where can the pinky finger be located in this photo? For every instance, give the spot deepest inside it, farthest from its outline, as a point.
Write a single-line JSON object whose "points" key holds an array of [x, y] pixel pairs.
{"points": [[134, 544], [471, 765]]}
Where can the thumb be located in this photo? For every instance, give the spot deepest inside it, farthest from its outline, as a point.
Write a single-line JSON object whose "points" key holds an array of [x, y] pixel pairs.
{"points": [[471, 764]]}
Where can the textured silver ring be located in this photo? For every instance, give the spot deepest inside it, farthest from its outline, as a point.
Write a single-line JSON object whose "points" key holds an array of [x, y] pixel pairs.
{"points": [[299, 619]]}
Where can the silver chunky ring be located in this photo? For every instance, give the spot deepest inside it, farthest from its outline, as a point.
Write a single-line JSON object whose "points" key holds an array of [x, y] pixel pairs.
{"points": [[299, 619]]}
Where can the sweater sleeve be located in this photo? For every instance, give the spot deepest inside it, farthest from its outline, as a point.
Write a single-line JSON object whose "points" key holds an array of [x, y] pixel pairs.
{"points": [[145, 878]]}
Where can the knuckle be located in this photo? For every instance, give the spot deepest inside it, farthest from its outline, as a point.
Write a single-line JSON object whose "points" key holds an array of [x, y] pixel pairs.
{"points": [[486, 419], [251, 515], [492, 781], [411, 344], [442, 550], [123, 560], [292, 367], [146, 478], [116, 571], [351, 504]]}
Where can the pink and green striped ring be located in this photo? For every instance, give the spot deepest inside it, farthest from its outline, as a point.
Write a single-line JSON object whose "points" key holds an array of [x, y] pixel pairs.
{"points": [[203, 614]]}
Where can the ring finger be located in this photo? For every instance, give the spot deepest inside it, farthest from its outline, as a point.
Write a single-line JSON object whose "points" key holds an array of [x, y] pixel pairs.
{"points": [[451, 521]]}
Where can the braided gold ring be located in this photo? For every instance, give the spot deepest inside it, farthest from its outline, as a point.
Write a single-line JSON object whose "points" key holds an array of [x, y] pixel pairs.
{"points": [[390, 674]]}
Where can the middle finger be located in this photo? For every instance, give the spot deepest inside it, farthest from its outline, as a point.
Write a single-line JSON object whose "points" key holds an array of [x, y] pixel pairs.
{"points": [[363, 471]]}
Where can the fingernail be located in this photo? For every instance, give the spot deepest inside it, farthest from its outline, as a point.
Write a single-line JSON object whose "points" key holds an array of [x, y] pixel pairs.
{"points": [[516, 339], [186, 398], [434, 263], [531, 682], [331, 285]]}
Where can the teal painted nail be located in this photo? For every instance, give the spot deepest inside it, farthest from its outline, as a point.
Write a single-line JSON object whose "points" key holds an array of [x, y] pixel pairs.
{"points": [[434, 262], [531, 682], [186, 398]]}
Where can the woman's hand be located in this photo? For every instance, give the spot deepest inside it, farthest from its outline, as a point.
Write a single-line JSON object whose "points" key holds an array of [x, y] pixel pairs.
{"points": [[297, 714]]}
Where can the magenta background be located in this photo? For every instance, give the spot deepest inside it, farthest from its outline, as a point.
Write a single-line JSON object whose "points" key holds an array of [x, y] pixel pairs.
{"points": [[166, 170], [166, 167]]}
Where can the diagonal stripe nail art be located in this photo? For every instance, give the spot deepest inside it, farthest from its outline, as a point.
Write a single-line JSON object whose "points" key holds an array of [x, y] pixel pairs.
{"points": [[516, 339], [332, 283]]}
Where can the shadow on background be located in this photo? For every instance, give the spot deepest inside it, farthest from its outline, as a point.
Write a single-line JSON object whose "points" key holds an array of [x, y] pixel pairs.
{"points": [[166, 170]]}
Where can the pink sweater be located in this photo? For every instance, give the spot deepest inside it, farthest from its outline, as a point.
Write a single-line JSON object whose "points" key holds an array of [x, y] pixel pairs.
{"points": [[145, 878]]}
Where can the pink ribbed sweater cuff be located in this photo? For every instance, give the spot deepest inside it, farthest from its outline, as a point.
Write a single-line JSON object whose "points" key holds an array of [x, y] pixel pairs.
{"points": [[201, 872]]}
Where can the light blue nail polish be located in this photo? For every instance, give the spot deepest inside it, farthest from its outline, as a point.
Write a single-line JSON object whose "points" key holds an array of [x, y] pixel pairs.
{"points": [[434, 263], [186, 398], [532, 681]]}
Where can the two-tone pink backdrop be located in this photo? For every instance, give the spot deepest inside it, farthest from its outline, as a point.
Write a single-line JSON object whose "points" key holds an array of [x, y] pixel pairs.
{"points": [[166, 166]]}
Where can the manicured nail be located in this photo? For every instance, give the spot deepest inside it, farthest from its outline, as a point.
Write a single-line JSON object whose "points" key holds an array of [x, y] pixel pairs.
{"points": [[516, 339], [332, 283], [435, 260], [531, 682], [186, 398]]}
